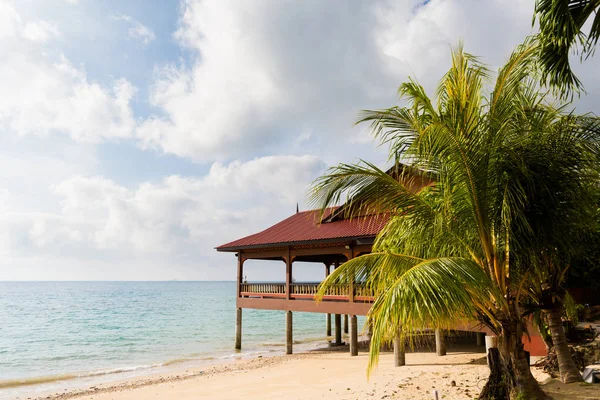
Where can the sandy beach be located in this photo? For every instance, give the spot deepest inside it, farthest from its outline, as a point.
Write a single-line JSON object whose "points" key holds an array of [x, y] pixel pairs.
{"points": [[458, 375]]}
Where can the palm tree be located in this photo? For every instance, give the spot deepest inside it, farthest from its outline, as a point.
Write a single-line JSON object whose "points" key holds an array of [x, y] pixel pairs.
{"points": [[558, 169], [562, 28], [446, 254]]}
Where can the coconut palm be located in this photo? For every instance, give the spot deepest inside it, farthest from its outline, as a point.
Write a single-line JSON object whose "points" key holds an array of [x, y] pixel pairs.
{"points": [[562, 24], [445, 256], [558, 169]]}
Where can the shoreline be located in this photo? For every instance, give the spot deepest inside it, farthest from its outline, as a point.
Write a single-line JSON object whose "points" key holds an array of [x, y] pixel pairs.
{"points": [[319, 373], [44, 385]]}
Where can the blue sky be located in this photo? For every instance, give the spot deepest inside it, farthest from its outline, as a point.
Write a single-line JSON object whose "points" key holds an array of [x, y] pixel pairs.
{"points": [[135, 136]]}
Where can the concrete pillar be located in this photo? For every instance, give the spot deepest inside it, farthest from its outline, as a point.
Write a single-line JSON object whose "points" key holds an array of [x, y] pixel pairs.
{"points": [[345, 323], [238, 329], [289, 337], [353, 336], [399, 357], [440, 345], [338, 329], [490, 342], [480, 338]]}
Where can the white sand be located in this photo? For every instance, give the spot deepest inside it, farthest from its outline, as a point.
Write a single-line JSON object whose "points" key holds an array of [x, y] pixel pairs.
{"points": [[333, 375]]}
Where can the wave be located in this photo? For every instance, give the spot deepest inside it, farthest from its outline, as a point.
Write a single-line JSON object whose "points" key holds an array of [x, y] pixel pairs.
{"points": [[39, 380]]}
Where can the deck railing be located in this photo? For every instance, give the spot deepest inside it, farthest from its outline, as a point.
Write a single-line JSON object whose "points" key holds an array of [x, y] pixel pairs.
{"points": [[266, 288], [305, 291]]}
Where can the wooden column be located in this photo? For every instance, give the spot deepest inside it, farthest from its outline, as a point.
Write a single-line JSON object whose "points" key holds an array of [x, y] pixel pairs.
{"points": [[399, 356], [238, 329], [238, 314], [350, 256], [289, 337], [240, 274], [353, 336], [288, 275], [480, 338], [338, 329], [328, 317], [440, 345], [337, 317]]}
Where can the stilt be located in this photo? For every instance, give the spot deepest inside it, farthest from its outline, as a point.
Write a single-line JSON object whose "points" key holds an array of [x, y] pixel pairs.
{"points": [[399, 356], [345, 323], [288, 332], [480, 338], [328, 322], [440, 345], [238, 329], [338, 329], [353, 336], [369, 330], [491, 342]]}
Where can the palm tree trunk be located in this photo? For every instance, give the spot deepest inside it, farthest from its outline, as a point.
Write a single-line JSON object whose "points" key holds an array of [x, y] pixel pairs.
{"points": [[568, 369], [520, 383]]}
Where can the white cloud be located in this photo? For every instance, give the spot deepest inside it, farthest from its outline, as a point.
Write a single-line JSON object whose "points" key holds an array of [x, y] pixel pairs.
{"points": [[265, 73], [40, 31], [170, 222], [42, 95], [264, 78], [137, 30]]}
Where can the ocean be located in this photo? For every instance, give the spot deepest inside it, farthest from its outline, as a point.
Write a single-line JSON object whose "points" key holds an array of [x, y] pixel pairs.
{"points": [[57, 335]]}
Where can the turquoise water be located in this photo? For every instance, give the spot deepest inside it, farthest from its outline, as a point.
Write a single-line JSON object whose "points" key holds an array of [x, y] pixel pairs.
{"points": [[58, 333]]}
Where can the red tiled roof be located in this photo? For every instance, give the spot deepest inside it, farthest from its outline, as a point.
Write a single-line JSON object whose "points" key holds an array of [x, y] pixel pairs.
{"points": [[305, 227]]}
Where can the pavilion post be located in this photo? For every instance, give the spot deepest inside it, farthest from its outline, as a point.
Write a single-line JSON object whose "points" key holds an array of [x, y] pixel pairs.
{"points": [[399, 349], [350, 256], [480, 338], [338, 329], [288, 275], [289, 338], [238, 329], [440, 345], [238, 314], [288, 314], [328, 317], [353, 336]]}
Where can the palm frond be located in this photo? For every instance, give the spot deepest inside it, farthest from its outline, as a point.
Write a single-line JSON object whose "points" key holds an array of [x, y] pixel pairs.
{"points": [[561, 29]]}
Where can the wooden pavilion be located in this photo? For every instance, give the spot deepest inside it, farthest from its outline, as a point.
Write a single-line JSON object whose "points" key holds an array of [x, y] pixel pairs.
{"points": [[329, 239], [304, 237]]}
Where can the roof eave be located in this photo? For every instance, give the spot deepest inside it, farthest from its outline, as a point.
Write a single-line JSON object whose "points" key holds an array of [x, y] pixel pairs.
{"points": [[234, 249]]}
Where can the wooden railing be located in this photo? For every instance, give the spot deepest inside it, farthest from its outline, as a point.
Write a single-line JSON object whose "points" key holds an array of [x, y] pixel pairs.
{"points": [[265, 288], [305, 291]]}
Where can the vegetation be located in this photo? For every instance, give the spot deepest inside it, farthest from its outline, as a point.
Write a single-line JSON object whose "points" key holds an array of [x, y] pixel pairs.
{"points": [[562, 27], [467, 247]]}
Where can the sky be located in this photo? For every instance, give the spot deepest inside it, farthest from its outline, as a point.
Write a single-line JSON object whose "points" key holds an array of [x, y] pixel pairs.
{"points": [[136, 136]]}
